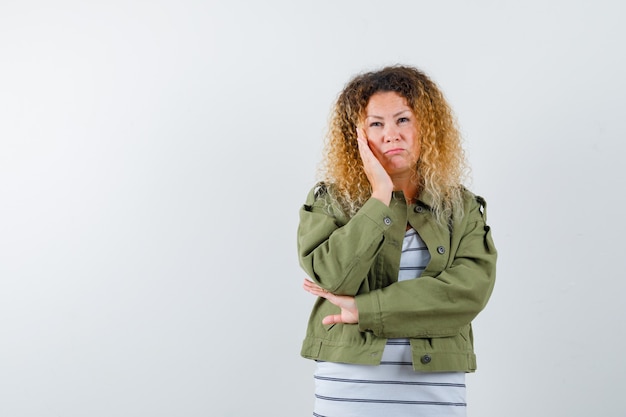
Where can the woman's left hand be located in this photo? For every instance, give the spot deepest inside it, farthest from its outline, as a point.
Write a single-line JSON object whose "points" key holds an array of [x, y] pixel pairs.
{"points": [[349, 312]]}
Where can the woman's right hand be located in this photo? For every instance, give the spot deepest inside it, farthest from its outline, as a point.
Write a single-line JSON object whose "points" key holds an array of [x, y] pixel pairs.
{"points": [[349, 311], [382, 186]]}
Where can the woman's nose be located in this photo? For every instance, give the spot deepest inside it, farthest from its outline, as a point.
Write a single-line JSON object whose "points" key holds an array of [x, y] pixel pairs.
{"points": [[391, 134]]}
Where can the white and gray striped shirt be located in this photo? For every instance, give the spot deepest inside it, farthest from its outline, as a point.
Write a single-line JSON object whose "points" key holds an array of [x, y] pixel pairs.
{"points": [[392, 388]]}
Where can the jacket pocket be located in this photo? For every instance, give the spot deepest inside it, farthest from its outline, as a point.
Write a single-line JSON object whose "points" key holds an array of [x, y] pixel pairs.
{"points": [[460, 342], [443, 354]]}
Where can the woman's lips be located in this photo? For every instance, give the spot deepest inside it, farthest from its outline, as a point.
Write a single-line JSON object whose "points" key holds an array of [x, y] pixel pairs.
{"points": [[394, 151]]}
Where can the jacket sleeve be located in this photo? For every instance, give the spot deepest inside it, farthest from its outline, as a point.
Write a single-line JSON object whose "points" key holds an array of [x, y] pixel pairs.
{"points": [[438, 304], [337, 253]]}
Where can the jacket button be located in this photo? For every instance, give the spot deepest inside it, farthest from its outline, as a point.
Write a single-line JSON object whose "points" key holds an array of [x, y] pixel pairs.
{"points": [[426, 359], [387, 221], [441, 250], [418, 209]]}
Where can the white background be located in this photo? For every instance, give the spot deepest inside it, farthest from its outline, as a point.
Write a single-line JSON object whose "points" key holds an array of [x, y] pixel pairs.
{"points": [[154, 155]]}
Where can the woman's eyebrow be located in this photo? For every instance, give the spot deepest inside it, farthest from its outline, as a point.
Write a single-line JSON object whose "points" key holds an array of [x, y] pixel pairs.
{"points": [[381, 117]]}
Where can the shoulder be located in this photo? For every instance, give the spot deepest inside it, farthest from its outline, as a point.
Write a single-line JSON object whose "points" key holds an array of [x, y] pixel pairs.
{"points": [[319, 196], [470, 199], [474, 205], [320, 191], [322, 199]]}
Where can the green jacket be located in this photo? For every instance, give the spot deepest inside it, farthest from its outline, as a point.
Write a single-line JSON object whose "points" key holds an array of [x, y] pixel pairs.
{"points": [[361, 257]]}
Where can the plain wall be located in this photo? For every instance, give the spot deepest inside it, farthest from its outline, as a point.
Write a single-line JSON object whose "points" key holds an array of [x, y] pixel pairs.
{"points": [[154, 155]]}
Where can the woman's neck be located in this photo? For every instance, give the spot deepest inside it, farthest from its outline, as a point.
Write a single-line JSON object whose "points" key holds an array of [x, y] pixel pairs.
{"points": [[409, 189]]}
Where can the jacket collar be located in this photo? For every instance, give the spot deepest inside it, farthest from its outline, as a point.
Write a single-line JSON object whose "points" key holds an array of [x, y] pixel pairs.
{"points": [[424, 199]]}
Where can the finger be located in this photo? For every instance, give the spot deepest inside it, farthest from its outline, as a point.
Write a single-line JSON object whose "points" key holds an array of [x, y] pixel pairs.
{"points": [[361, 141], [360, 133], [332, 319], [365, 152], [318, 292], [310, 285], [361, 138], [367, 156], [315, 289], [363, 147]]}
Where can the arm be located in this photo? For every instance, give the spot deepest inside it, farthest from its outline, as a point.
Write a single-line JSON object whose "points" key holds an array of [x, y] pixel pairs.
{"points": [[337, 253], [437, 304]]}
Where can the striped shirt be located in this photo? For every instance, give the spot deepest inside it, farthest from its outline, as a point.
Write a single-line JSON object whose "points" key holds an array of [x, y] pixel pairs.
{"points": [[392, 388]]}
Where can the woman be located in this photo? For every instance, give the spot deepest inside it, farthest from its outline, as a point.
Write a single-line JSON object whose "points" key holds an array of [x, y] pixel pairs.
{"points": [[398, 252]]}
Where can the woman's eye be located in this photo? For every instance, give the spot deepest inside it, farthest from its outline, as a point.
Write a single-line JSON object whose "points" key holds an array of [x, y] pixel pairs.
{"points": [[403, 120], [375, 124]]}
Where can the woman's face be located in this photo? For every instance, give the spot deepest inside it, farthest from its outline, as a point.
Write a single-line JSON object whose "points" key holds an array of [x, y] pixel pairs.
{"points": [[391, 129]]}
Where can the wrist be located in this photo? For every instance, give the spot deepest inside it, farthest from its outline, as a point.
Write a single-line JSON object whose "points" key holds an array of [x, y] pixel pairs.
{"points": [[383, 196]]}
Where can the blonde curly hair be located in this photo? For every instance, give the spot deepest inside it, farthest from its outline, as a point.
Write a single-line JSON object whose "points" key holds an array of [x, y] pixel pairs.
{"points": [[441, 166]]}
